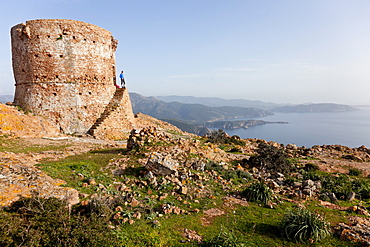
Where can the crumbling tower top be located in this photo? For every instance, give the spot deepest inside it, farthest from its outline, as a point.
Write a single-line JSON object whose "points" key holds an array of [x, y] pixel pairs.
{"points": [[56, 50]]}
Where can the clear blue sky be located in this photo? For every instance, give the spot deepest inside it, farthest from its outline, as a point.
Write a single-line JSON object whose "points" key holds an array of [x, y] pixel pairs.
{"points": [[286, 51]]}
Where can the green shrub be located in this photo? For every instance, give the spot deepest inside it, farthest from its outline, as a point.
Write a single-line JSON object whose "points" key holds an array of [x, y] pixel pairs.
{"points": [[48, 222], [311, 167], [258, 192], [312, 175], [236, 175], [100, 206], [302, 225], [361, 187], [212, 166], [355, 172], [221, 137], [271, 159], [341, 185]]}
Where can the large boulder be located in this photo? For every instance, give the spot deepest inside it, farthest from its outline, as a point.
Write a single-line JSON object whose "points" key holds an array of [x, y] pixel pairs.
{"points": [[159, 164]]}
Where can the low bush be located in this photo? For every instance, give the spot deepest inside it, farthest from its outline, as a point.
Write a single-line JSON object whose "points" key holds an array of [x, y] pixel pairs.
{"points": [[355, 172], [221, 137], [311, 167], [228, 174], [272, 160], [312, 175], [362, 188], [48, 222], [302, 225], [340, 185]]}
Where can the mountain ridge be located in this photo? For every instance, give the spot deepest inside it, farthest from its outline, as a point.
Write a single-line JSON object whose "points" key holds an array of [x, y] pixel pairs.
{"points": [[215, 101], [191, 113]]}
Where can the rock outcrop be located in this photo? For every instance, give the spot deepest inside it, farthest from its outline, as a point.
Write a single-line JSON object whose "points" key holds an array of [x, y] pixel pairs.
{"points": [[17, 124]]}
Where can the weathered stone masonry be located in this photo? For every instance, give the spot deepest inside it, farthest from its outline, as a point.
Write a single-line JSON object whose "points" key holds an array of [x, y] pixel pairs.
{"points": [[65, 71]]}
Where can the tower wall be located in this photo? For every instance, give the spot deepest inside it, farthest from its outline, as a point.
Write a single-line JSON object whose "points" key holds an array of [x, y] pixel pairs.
{"points": [[64, 71]]}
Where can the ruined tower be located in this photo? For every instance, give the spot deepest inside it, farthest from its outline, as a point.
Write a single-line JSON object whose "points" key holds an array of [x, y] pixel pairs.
{"points": [[65, 71]]}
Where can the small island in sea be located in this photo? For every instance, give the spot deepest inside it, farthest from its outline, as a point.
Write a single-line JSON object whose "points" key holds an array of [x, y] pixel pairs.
{"points": [[321, 107]]}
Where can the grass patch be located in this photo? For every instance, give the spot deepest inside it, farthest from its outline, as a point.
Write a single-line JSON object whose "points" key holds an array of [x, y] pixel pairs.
{"points": [[258, 226], [77, 169]]}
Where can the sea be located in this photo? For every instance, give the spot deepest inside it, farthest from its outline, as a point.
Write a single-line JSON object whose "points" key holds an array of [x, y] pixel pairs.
{"points": [[351, 129]]}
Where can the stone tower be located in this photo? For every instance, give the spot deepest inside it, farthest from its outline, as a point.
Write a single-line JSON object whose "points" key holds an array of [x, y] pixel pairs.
{"points": [[65, 71]]}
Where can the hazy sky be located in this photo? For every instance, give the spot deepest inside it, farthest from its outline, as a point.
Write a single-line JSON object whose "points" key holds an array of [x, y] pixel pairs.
{"points": [[281, 51]]}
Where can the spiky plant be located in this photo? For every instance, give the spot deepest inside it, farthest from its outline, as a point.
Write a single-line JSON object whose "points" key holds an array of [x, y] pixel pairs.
{"points": [[301, 225], [225, 238], [258, 192]]}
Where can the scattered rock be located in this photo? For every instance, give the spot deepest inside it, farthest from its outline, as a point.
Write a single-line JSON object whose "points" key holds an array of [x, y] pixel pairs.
{"points": [[191, 236], [183, 190], [209, 214], [351, 196], [230, 201], [91, 181], [332, 197], [134, 202], [137, 215]]}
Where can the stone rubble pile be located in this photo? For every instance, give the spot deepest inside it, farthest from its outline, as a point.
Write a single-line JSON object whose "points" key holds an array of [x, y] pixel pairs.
{"points": [[176, 146], [147, 135]]}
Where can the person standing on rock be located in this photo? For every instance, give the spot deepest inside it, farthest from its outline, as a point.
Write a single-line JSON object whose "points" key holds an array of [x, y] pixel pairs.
{"points": [[122, 76]]}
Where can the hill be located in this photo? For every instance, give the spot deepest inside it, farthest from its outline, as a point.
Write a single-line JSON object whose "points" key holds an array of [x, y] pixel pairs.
{"points": [[164, 187], [323, 107], [215, 102], [191, 113], [198, 130], [169, 188]]}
